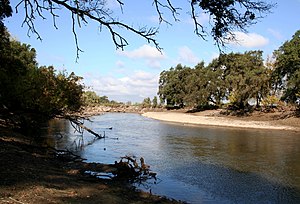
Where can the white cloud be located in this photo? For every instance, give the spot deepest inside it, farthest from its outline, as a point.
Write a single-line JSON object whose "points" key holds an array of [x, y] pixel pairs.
{"points": [[203, 18], [213, 56], [276, 33], [146, 52], [249, 40], [133, 87], [186, 55], [120, 64], [154, 19]]}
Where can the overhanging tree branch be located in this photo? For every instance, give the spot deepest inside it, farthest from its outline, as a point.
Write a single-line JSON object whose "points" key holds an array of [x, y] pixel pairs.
{"points": [[226, 17]]}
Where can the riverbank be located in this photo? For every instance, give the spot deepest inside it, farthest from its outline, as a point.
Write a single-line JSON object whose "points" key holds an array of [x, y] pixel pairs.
{"points": [[30, 173], [275, 121], [88, 111]]}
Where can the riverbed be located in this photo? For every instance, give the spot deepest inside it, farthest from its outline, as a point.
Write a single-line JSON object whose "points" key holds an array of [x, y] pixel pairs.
{"points": [[195, 164]]}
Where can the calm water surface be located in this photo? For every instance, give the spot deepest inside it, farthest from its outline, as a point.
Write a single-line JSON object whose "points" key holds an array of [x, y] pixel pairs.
{"points": [[197, 164]]}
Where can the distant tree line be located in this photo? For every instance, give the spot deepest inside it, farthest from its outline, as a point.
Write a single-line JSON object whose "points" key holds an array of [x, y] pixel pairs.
{"points": [[148, 103], [90, 98], [236, 78]]}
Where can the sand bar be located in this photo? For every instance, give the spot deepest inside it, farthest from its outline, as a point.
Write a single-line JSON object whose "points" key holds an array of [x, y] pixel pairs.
{"points": [[186, 118]]}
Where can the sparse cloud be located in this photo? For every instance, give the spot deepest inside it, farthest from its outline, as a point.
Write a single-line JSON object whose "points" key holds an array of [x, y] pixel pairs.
{"points": [[186, 55], [276, 33], [249, 40], [203, 18], [146, 52], [112, 4], [154, 19], [120, 64], [137, 86], [213, 56]]}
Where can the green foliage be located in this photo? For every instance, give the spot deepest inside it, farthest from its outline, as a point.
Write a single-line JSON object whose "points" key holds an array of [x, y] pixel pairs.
{"points": [[237, 77], [196, 92], [287, 69], [270, 102], [172, 85], [90, 98], [154, 102], [5, 11], [246, 76], [25, 87], [146, 103]]}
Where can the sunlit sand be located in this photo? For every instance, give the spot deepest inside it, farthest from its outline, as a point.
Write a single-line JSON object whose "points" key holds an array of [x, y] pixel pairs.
{"points": [[186, 118]]}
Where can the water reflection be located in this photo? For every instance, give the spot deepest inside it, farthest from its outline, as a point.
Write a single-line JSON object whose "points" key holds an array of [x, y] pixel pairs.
{"points": [[200, 164]]}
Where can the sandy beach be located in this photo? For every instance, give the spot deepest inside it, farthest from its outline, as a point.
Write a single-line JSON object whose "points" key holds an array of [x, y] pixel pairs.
{"points": [[207, 118]]}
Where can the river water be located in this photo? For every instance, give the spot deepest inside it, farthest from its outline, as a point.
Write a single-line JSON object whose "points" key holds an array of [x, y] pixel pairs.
{"points": [[196, 164]]}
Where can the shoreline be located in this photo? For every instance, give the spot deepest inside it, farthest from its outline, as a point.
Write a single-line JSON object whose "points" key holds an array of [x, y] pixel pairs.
{"points": [[33, 174], [207, 119]]}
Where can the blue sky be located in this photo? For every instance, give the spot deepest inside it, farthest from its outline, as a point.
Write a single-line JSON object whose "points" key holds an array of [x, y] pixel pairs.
{"points": [[132, 74]]}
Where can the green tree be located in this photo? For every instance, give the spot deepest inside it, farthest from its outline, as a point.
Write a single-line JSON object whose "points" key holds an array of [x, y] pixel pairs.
{"points": [[17, 60], [5, 11], [172, 85], [90, 98], [205, 86], [154, 102], [216, 87], [196, 85], [245, 77], [146, 103], [286, 75], [34, 93]]}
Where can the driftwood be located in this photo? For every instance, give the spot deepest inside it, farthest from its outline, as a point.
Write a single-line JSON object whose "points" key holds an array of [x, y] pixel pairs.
{"points": [[80, 124], [65, 155], [129, 168]]}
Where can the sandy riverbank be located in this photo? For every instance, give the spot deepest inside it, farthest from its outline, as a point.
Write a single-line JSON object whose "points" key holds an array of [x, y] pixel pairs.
{"points": [[210, 118]]}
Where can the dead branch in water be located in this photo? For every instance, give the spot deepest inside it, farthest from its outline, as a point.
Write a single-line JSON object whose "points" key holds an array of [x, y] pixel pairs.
{"points": [[80, 125], [128, 167]]}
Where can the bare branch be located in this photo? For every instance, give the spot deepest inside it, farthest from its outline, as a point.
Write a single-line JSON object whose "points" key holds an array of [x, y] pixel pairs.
{"points": [[169, 7], [226, 17], [75, 36], [81, 11], [197, 24]]}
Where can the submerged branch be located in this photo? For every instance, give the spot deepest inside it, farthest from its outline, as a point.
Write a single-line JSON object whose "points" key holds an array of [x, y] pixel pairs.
{"points": [[80, 124]]}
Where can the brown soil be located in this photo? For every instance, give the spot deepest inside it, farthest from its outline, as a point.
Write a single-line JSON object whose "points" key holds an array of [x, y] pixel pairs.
{"points": [[30, 174]]}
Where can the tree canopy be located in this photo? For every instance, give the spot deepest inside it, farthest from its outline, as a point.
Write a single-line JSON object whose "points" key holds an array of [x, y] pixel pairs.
{"points": [[236, 78], [31, 92], [287, 69], [226, 16]]}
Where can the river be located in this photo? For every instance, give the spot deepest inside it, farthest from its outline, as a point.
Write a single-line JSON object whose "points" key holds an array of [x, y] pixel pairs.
{"points": [[196, 164]]}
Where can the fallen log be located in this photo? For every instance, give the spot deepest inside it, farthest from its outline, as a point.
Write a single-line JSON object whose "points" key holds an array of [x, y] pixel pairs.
{"points": [[80, 124]]}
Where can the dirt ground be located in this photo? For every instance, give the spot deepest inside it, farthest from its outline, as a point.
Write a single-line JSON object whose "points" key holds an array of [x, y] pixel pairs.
{"points": [[31, 174]]}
